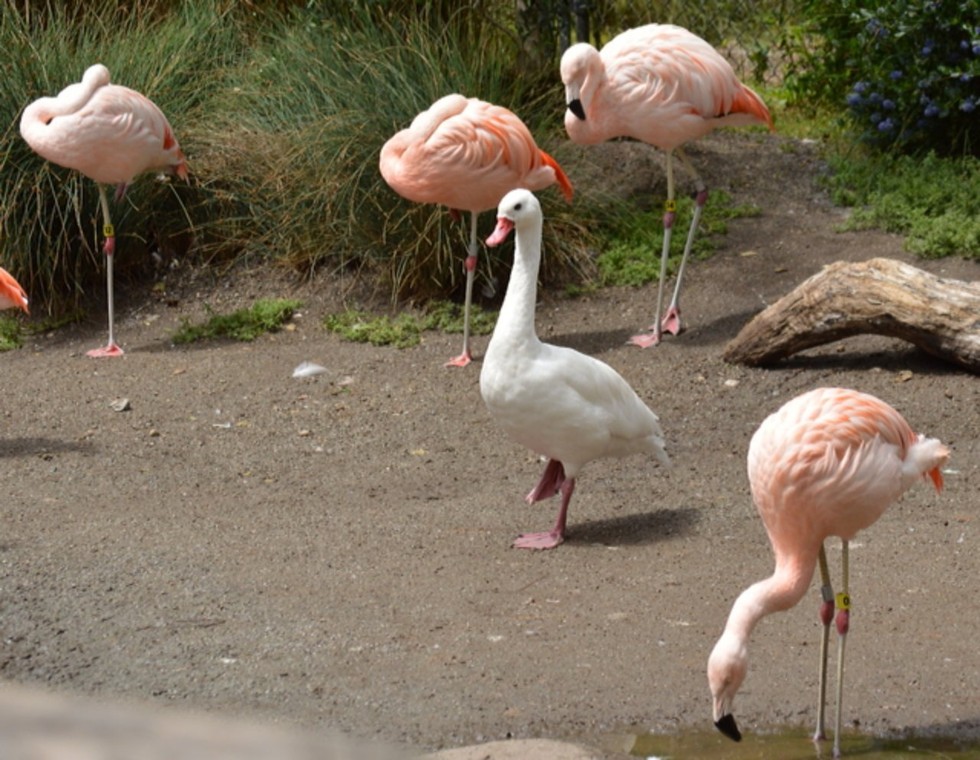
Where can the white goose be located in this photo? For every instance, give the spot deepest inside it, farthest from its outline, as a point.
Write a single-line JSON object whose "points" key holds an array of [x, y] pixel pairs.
{"points": [[558, 402]]}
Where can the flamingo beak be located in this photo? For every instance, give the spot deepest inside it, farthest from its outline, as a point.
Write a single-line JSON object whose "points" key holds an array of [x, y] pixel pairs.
{"points": [[727, 725], [575, 106], [500, 233]]}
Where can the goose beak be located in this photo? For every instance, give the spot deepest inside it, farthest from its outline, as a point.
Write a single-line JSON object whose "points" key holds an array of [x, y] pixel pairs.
{"points": [[575, 106], [727, 725], [500, 233]]}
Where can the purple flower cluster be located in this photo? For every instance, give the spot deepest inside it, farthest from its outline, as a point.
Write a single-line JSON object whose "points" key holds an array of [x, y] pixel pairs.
{"points": [[917, 74]]}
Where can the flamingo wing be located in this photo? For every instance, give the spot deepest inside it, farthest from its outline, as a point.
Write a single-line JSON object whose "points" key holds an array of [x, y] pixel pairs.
{"points": [[108, 132], [832, 461], [12, 295], [466, 154]]}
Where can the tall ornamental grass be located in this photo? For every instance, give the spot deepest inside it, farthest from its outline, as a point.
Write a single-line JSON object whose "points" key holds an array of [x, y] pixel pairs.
{"points": [[296, 142], [50, 221]]}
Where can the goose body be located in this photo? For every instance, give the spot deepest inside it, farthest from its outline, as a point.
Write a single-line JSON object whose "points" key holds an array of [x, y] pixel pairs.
{"points": [[558, 402]]}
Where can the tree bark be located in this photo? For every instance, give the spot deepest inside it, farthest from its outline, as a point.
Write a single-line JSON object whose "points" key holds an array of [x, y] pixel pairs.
{"points": [[880, 296]]}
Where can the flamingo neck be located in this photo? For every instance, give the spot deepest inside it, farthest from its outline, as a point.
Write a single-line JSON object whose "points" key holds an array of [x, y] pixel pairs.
{"points": [[70, 100], [516, 320], [782, 590]]}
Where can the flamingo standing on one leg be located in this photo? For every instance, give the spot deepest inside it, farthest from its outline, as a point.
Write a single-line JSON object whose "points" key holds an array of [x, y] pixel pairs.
{"points": [[466, 154], [110, 134], [828, 463], [556, 401], [12, 295], [664, 86]]}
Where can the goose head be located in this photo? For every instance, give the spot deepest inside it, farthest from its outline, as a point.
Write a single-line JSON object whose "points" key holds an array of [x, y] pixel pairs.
{"points": [[519, 209]]}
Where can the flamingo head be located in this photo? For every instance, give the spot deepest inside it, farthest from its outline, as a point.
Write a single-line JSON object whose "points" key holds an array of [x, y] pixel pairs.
{"points": [[727, 667]]}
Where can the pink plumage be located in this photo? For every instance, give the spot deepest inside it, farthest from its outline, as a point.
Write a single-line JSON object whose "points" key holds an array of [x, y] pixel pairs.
{"points": [[657, 83], [665, 86], [828, 463], [109, 133], [12, 295], [467, 154]]}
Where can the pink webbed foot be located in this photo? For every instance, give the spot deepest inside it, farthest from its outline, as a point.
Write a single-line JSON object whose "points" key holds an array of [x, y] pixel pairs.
{"points": [[460, 361], [645, 340], [547, 540], [112, 349], [671, 323]]}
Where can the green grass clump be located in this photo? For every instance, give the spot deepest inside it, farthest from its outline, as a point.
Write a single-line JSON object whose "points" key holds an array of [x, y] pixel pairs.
{"points": [[266, 315], [631, 254], [405, 330], [930, 200], [11, 334], [447, 316], [356, 326]]}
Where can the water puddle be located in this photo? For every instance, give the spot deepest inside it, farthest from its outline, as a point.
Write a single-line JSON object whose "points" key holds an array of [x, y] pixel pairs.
{"points": [[791, 744]]}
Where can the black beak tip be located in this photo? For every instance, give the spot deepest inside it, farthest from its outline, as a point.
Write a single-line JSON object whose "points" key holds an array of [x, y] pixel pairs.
{"points": [[726, 724], [575, 107]]}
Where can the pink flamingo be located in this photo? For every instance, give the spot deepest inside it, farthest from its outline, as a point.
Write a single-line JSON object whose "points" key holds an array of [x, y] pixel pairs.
{"points": [[466, 154], [558, 402], [664, 86], [12, 295], [110, 134], [828, 463]]}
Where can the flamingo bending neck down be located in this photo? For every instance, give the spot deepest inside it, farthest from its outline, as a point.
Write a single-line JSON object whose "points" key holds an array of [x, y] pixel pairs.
{"points": [[12, 295], [109, 133], [828, 463], [564, 405], [665, 86], [466, 154]]}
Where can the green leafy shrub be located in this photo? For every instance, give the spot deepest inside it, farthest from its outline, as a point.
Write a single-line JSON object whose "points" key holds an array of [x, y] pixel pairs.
{"points": [[932, 201], [631, 255], [908, 72]]}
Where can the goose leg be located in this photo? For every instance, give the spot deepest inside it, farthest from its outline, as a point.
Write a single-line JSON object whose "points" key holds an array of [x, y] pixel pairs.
{"points": [[552, 538], [109, 248], [470, 265]]}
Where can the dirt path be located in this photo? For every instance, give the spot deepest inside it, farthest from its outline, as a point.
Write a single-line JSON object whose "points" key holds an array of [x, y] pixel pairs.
{"points": [[335, 552]]}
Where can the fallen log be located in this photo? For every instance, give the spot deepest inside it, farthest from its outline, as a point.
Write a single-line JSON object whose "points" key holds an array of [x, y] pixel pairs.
{"points": [[879, 296]]}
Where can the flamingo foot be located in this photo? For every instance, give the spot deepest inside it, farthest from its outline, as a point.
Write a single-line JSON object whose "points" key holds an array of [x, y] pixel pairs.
{"points": [[112, 349], [546, 540], [671, 323], [645, 340], [460, 361]]}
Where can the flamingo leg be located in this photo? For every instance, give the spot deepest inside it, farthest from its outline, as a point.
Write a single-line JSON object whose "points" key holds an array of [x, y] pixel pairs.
{"points": [[109, 248], [826, 616], [552, 538], [652, 337], [671, 321], [470, 265], [843, 624]]}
